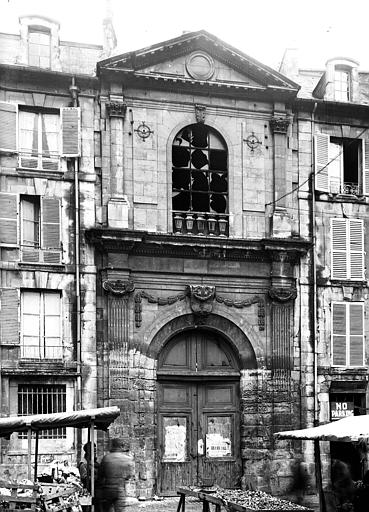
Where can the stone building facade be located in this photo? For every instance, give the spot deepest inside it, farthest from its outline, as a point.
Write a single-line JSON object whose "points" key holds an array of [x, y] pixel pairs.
{"points": [[198, 305], [47, 318], [331, 141], [166, 248]]}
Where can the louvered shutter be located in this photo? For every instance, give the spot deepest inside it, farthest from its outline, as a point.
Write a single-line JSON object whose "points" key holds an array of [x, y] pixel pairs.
{"points": [[8, 218], [339, 329], [339, 249], [356, 342], [365, 152], [71, 128], [50, 225], [9, 316], [356, 249], [321, 147], [8, 127]]}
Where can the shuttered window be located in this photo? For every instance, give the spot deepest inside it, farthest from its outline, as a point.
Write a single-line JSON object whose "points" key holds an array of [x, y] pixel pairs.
{"points": [[365, 153], [41, 325], [341, 165], [348, 334], [9, 316], [8, 219], [8, 127], [321, 155], [40, 229], [347, 249], [71, 121]]}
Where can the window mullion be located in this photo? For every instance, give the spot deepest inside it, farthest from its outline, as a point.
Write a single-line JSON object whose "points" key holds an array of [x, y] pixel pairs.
{"points": [[39, 140]]}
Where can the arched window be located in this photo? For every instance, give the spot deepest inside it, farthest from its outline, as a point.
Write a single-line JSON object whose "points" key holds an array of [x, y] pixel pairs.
{"points": [[200, 182]]}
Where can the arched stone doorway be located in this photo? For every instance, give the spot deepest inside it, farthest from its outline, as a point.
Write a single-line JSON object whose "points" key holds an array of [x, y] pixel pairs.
{"points": [[198, 376]]}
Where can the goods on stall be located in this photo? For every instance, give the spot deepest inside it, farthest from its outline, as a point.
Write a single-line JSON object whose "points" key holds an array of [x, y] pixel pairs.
{"points": [[237, 500], [32, 497], [255, 500], [19, 495]]}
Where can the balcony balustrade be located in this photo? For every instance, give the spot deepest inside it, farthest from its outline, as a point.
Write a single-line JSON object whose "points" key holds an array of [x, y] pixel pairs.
{"points": [[200, 223]]}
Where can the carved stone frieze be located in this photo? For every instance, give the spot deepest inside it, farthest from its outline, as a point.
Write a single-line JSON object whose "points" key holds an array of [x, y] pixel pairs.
{"points": [[119, 287], [200, 112], [279, 124], [202, 298]]}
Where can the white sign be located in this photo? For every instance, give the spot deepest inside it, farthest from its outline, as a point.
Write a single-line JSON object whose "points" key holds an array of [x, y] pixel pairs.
{"points": [[341, 410]]}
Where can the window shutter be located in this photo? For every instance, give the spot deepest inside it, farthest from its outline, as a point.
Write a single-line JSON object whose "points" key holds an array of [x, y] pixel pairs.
{"points": [[356, 249], [8, 127], [71, 127], [8, 218], [365, 152], [9, 317], [356, 334], [321, 161], [339, 249], [50, 225], [339, 334]]}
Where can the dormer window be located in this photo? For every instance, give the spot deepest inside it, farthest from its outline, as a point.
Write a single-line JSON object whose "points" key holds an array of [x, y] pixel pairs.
{"points": [[342, 84], [39, 47]]}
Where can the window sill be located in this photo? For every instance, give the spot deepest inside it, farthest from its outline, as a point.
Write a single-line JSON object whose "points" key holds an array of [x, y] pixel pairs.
{"points": [[40, 173], [326, 197], [348, 282], [29, 265]]}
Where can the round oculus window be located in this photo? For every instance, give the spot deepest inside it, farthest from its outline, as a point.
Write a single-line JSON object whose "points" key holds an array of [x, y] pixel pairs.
{"points": [[199, 65]]}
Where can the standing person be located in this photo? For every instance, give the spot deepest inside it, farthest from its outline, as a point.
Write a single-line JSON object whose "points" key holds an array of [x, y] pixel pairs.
{"points": [[85, 467], [115, 469]]}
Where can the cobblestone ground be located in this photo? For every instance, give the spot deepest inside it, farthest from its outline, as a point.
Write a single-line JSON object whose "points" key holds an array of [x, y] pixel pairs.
{"points": [[165, 505]]}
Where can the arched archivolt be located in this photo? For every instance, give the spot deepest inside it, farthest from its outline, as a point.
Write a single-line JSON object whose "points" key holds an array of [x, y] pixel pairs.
{"points": [[217, 324]]}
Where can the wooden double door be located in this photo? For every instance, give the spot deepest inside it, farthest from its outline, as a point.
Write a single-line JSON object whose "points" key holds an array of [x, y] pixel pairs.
{"points": [[198, 420]]}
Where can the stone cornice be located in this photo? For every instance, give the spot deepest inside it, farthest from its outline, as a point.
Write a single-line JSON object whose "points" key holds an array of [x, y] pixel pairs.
{"points": [[179, 246]]}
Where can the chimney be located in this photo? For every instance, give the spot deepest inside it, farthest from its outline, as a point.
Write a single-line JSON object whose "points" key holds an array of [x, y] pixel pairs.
{"points": [[110, 39]]}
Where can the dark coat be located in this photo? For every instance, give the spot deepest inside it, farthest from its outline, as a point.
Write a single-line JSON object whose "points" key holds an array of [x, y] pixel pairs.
{"points": [[115, 468]]}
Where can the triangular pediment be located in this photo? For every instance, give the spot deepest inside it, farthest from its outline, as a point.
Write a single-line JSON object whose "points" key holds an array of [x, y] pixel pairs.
{"points": [[199, 57]]}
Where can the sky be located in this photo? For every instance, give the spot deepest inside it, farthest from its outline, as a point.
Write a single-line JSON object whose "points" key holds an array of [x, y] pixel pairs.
{"points": [[262, 29]]}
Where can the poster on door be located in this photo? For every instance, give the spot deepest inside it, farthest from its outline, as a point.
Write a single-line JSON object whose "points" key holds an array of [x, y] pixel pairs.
{"points": [[217, 446], [175, 445]]}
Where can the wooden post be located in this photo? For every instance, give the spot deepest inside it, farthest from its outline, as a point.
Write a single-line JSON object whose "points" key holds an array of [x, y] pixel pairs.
{"points": [[318, 475], [36, 455], [92, 462], [29, 439]]}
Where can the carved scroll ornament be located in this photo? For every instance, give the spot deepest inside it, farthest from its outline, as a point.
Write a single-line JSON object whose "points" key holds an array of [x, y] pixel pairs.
{"points": [[283, 294], [279, 124], [119, 287]]}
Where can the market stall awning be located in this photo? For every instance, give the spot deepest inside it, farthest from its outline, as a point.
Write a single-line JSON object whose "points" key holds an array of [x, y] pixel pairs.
{"points": [[101, 418], [352, 428]]}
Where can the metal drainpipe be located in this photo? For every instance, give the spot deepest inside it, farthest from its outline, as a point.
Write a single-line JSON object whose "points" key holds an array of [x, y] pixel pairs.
{"points": [[74, 93], [314, 286]]}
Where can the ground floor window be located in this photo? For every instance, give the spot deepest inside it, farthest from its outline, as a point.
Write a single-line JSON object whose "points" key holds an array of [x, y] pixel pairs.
{"points": [[42, 399]]}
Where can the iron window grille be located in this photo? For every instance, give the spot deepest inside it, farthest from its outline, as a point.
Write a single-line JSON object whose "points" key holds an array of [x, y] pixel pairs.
{"points": [[42, 399]]}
